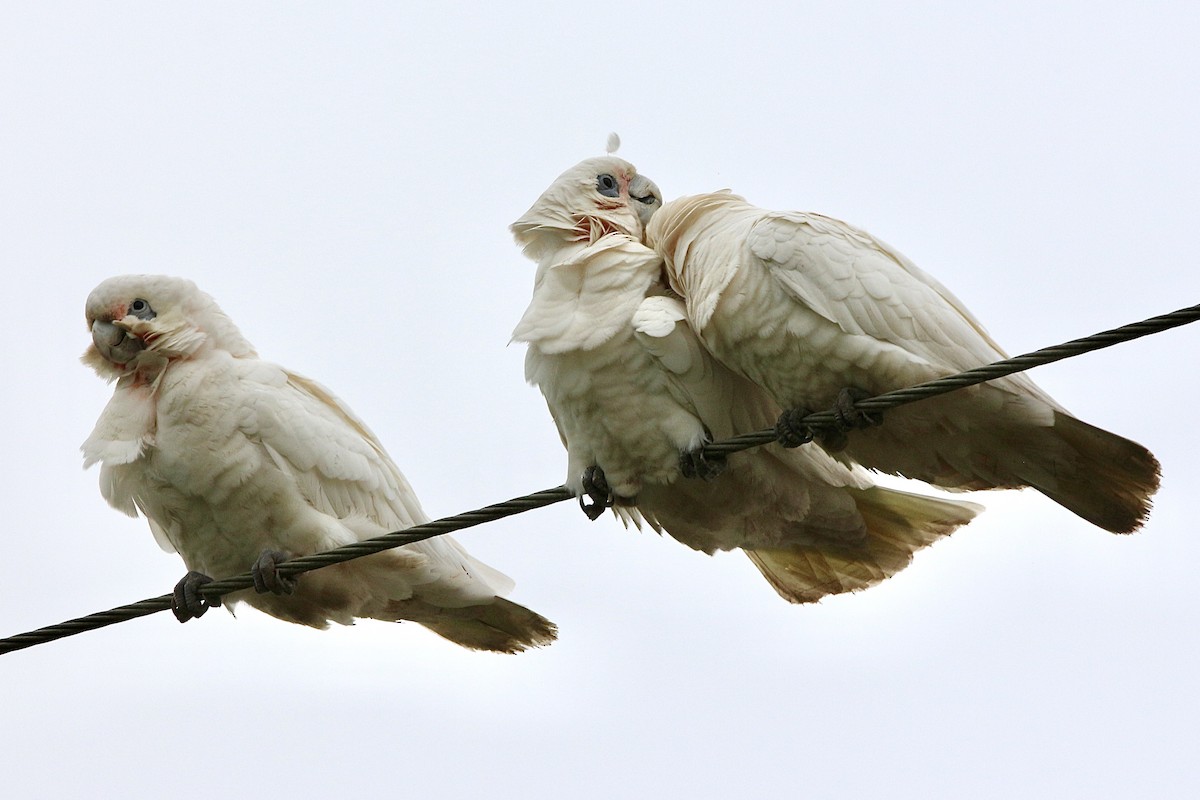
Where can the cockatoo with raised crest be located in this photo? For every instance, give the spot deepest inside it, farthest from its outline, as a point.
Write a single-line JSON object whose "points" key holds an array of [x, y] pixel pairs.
{"points": [[239, 463], [635, 397], [819, 313]]}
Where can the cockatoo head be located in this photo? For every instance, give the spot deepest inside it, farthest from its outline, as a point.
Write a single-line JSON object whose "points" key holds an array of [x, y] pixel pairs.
{"points": [[593, 198], [140, 323]]}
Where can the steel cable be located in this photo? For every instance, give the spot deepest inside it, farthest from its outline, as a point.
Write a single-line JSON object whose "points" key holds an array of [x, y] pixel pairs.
{"points": [[296, 566]]}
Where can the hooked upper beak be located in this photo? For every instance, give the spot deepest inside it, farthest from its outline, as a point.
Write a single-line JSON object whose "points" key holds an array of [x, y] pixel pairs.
{"points": [[646, 198], [115, 343]]}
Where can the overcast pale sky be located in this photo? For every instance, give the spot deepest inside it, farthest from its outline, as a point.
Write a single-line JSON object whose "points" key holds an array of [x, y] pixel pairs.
{"points": [[341, 178]]}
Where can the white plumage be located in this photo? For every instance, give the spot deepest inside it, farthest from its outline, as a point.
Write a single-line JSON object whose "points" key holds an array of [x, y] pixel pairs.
{"points": [[227, 455], [806, 306], [633, 390]]}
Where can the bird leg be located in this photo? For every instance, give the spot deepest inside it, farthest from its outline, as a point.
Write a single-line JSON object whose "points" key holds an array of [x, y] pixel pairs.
{"points": [[187, 602], [695, 464], [265, 572], [595, 487]]}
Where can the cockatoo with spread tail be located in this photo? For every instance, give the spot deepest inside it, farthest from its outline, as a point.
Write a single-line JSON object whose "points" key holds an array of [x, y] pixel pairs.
{"points": [[635, 397], [820, 313], [238, 463]]}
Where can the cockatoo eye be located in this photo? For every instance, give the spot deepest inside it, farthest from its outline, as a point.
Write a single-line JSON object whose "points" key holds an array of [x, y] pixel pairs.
{"points": [[141, 309], [607, 185]]}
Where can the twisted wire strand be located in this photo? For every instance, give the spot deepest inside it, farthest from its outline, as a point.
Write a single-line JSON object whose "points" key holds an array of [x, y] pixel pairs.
{"points": [[292, 567], [296, 566]]}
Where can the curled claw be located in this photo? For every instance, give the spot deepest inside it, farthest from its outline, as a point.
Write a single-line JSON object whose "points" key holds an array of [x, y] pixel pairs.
{"points": [[595, 488], [851, 418], [186, 600], [265, 572], [791, 430], [594, 509], [695, 464]]}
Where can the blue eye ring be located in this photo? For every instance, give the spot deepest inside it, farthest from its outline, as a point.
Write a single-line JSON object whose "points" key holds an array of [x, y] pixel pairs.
{"points": [[607, 185], [141, 309]]}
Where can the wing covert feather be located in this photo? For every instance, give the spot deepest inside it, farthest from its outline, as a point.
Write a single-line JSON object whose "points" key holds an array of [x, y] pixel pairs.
{"points": [[338, 463], [867, 288]]}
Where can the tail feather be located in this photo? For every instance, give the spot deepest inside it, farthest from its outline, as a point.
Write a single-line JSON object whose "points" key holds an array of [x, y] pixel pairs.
{"points": [[898, 524], [500, 626], [1111, 481], [996, 440]]}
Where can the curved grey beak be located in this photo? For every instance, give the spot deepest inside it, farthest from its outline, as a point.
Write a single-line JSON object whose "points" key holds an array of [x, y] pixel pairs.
{"points": [[114, 343], [646, 198]]}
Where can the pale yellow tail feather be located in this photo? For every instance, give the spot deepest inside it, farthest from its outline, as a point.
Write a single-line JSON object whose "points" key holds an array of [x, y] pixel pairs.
{"points": [[898, 524]]}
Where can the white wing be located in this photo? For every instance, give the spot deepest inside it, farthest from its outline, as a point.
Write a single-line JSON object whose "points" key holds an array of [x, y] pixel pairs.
{"points": [[806, 305], [867, 288], [338, 463], [812, 525], [728, 403], [833, 270], [342, 469]]}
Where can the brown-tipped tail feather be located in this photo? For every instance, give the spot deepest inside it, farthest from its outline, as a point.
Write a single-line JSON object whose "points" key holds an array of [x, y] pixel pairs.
{"points": [[1112, 482], [500, 626]]}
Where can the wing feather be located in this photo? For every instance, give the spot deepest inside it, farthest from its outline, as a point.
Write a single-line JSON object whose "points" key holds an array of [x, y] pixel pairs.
{"points": [[867, 288], [338, 464], [727, 403]]}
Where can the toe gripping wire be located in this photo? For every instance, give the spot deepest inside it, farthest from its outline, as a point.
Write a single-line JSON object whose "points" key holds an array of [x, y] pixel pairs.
{"points": [[212, 592]]}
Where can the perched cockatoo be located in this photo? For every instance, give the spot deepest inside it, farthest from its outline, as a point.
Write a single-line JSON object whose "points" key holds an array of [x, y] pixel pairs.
{"points": [[636, 396], [236, 462], [818, 313]]}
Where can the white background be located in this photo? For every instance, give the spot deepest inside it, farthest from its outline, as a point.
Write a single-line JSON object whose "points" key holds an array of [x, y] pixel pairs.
{"points": [[340, 176]]}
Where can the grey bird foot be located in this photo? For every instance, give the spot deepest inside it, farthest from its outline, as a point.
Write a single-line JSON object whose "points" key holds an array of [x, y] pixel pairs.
{"points": [[187, 602], [850, 418], [596, 488], [695, 464], [266, 574], [790, 430]]}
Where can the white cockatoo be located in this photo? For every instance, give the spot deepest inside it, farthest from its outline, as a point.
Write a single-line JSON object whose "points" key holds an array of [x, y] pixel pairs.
{"points": [[819, 313], [236, 462], [635, 396]]}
